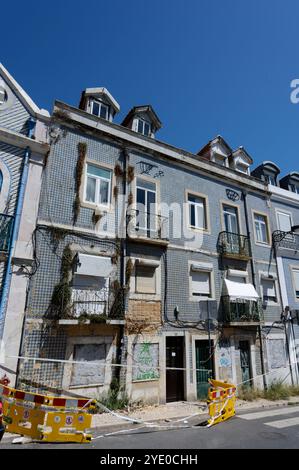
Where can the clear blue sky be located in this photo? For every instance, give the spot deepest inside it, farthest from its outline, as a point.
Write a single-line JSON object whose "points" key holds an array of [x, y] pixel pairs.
{"points": [[207, 67]]}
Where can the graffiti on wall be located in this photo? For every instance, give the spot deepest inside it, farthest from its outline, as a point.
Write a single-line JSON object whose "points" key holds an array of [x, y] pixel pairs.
{"points": [[145, 361], [225, 360]]}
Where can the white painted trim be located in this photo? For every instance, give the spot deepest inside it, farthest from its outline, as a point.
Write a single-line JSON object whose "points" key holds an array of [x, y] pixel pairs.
{"points": [[154, 262], [282, 282], [18, 140], [22, 95]]}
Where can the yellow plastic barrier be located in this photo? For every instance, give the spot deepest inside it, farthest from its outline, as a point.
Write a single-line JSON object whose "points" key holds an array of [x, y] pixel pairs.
{"points": [[67, 427], [45, 418], [221, 401]]}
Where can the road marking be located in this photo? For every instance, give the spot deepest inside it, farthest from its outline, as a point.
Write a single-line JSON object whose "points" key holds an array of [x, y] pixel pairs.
{"points": [[270, 413], [283, 423]]}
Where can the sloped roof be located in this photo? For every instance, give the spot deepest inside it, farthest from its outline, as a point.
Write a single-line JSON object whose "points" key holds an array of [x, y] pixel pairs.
{"points": [[143, 109], [98, 92], [216, 139], [25, 99]]}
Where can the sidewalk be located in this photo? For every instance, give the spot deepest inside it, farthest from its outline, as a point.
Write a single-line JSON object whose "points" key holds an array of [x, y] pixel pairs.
{"points": [[178, 410]]}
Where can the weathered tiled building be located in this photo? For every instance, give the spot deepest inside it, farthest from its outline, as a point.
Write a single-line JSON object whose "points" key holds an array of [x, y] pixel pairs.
{"points": [[151, 258], [23, 149]]}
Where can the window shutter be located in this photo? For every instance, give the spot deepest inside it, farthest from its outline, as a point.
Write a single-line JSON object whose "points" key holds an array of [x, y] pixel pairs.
{"points": [[268, 288], [145, 279], [284, 222], [201, 283]]}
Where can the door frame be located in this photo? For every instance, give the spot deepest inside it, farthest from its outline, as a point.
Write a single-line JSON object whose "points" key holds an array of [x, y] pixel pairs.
{"points": [[235, 339], [215, 360], [250, 383], [163, 363], [185, 372], [212, 358]]}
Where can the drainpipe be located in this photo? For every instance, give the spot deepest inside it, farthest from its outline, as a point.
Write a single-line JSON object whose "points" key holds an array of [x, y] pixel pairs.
{"points": [[15, 232], [123, 255], [244, 194]]}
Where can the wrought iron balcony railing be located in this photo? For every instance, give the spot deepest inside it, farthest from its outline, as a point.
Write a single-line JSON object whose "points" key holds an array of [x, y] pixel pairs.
{"points": [[107, 302], [89, 302], [147, 225], [247, 311], [6, 226], [289, 240], [234, 245]]}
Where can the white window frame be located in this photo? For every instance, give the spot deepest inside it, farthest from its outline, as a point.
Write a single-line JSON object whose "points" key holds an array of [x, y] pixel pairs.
{"points": [[209, 269], [144, 123], [97, 188], [236, 214], [195, 204], [242, 168], [283, 212], [271, 180], [267, 224], [148, 214], [3, 96], [101, 105], [290, 237], [293, 269], [265, 276], [134, 295], [295, 188]]}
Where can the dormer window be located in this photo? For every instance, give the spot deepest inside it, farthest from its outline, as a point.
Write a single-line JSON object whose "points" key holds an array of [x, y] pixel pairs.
{"points": [[144, 127], [100, 109], [99, 102], [294, 188], [271, 180], [242, 168], [142, 119]]}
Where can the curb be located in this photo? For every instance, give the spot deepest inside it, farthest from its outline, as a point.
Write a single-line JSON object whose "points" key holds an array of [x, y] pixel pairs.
{"points": [[110, 427]]}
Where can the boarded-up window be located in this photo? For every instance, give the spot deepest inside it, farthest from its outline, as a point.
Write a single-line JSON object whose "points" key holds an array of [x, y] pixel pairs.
{"points": [[145, 279], [145, 361], [277, 354], [201, 283], [92, 369]]}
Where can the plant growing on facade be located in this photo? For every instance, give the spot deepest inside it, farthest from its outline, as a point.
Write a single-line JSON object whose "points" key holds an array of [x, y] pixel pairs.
{"points": [[130, 198], [82, 149], [62, 293], [118, 171], [129, 270], [130, 174], [115, 192], [96, 217]]}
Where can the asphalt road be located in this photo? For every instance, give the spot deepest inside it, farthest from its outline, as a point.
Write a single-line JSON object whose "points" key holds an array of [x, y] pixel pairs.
{"points": [[274, 428]]}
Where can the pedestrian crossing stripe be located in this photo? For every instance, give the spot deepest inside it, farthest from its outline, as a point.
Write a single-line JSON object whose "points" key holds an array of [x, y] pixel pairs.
{"points": [[284, 423], [270, 413]]}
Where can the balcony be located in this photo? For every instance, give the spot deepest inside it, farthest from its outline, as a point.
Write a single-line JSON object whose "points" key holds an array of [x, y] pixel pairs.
{"points": [[241, 312], [95, 306], [89, 302], [233, 245], [286, 240], [6, 226], [147, 227]]}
